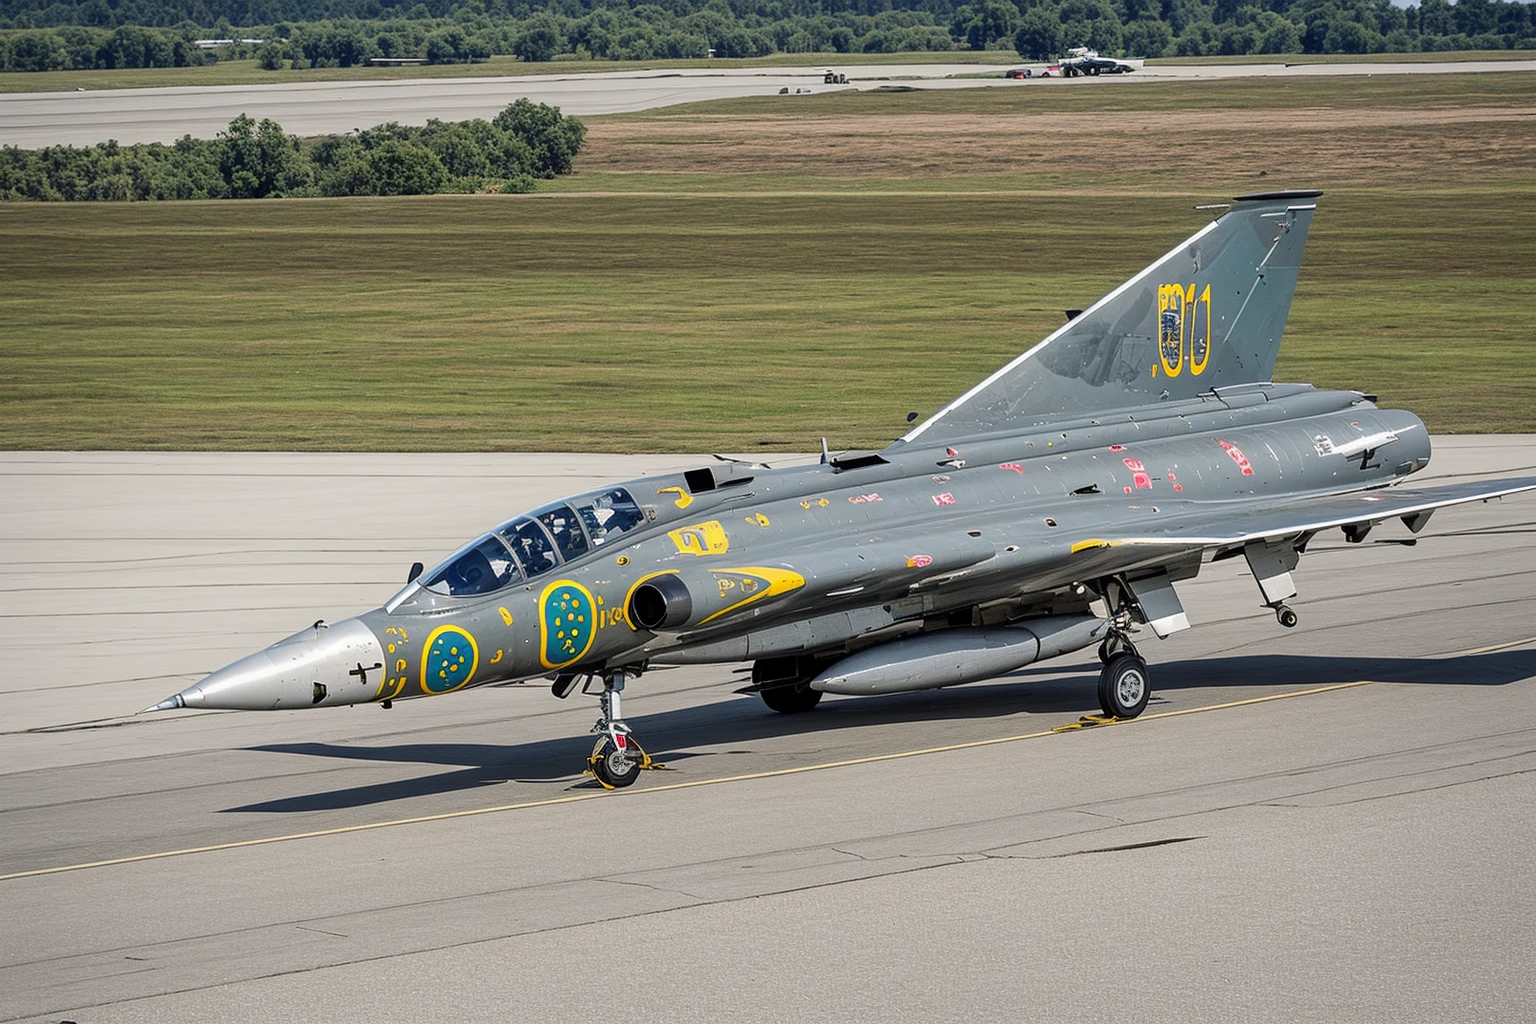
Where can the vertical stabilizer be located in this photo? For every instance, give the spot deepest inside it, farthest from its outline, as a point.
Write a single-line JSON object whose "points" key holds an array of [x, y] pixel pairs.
{"points": [[1209, 314]]}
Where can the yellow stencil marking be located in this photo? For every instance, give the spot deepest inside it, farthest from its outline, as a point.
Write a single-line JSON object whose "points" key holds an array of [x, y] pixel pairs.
{"points": [[756, 583], [702, 539], [683, 500]]}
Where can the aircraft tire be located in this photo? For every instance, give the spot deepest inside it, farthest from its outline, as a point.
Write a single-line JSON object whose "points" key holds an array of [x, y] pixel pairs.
{"points": [[790, 700], [1124, 686], [613, 769]]}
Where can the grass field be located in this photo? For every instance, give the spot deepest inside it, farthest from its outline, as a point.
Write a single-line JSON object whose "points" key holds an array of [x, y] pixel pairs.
{"points": [[754, 275]]}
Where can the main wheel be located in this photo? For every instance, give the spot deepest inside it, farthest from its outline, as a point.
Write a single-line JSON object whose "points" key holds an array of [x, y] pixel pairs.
{"points": [[792, 699], [613, 767], [1124, 686]]}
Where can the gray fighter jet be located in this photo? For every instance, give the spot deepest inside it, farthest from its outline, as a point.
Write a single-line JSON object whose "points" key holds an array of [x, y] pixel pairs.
{"points": [[1051, 508]]}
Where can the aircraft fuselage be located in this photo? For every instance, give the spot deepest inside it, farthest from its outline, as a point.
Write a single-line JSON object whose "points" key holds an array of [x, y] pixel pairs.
{"points": [[875, 548]]}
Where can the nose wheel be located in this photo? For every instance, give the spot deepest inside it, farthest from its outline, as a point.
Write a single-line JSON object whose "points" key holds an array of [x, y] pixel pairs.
{"points": [[616, 766]]}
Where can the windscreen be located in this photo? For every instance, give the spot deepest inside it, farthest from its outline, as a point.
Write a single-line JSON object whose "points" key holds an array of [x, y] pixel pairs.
{"points": [[533, 545], [479, 569]]}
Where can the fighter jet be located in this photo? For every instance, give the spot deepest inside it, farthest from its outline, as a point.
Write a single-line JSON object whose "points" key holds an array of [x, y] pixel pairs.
{"points": [[1053, 507]]}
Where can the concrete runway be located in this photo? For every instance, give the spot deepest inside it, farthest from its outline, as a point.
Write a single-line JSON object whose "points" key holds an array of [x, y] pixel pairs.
{"points": [[1357, 849], [163, 115]]}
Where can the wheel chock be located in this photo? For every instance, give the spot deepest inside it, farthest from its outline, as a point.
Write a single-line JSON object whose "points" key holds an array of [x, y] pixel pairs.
{"points": [[646, 763], [1088, 722]]}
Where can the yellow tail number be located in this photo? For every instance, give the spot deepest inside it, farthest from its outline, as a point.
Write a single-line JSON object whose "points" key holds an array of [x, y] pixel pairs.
{"points": [[1183, 329]]}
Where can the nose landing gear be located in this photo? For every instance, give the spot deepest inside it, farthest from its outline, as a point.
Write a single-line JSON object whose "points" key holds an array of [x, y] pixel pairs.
{"points": [[617, 760]]}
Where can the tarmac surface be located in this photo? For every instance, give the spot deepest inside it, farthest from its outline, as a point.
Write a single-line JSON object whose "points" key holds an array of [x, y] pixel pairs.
{"points": [[1325, 823], [32, 120]]}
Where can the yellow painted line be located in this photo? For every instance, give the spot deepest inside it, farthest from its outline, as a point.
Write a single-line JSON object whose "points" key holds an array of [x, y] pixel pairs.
{"points": [[1491, 648], [1250, 700], [672, 787]]}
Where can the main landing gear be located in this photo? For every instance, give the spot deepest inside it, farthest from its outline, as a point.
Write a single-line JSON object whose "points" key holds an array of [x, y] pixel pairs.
{"points": [[1124, 686], [1124, 683], [617, 760]]}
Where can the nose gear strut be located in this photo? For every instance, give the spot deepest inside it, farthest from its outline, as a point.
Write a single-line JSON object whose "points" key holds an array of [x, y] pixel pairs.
{"points": [[617, 760]]}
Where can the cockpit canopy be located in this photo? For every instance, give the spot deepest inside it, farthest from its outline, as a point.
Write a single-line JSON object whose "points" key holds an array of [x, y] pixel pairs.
{"points": [[532, 545]]}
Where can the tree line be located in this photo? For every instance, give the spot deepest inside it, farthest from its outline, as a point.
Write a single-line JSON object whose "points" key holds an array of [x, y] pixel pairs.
{"points": [[65, 34], [258, 160]]}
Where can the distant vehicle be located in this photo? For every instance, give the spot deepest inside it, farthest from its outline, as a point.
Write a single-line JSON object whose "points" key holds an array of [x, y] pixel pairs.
{"points": [[833, 78], [1082, 61], [1018, 73]]}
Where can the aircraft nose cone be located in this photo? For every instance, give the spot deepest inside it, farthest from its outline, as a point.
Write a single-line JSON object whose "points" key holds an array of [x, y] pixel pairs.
{"points": [[327, 665]]}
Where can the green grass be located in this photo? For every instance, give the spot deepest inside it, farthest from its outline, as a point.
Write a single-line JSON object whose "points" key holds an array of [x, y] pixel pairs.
{"points": [[1502, 88], [246, 72], [754, 275], [727, 322]]}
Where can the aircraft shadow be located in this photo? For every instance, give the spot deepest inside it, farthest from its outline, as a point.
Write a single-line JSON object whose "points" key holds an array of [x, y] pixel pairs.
{"points": [[738, 721]]}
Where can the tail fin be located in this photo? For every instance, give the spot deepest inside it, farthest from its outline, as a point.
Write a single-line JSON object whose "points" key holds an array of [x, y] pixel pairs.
{"points": [[1209, 314]]}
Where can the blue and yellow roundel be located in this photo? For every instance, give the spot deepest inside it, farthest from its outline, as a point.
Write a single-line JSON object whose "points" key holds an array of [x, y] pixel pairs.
{"points": [[567, 623], [450, 660]]}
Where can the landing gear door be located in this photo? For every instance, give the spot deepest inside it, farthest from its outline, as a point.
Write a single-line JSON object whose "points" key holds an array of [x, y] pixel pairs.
{"points": [[1160, 604], [1272, 565]]}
